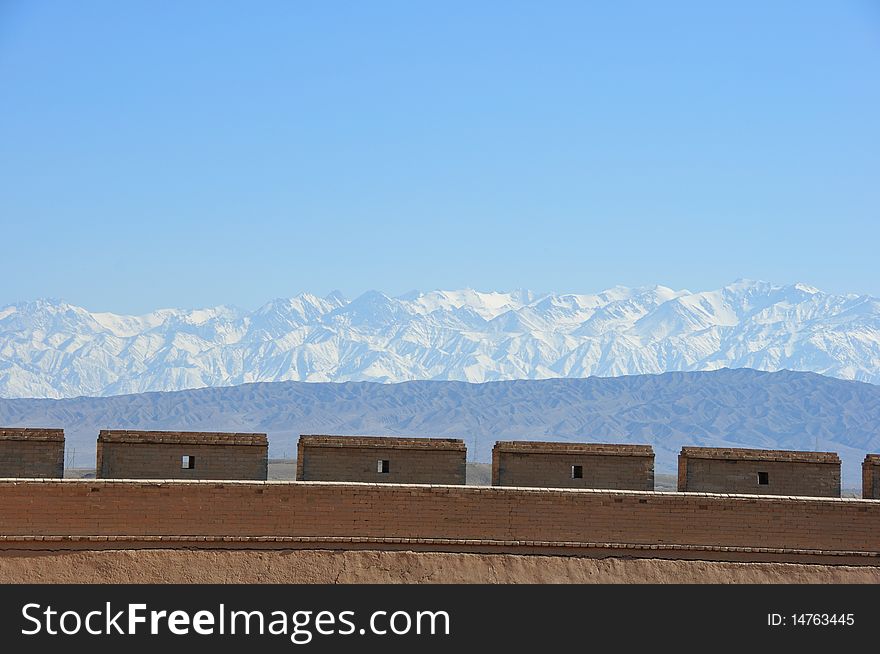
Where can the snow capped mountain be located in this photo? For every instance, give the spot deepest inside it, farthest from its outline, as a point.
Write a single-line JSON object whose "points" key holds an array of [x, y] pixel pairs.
{"points": [[51, 349]]}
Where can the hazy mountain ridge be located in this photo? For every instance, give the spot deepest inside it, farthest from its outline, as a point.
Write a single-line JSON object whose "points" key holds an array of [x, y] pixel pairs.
{"points": [[49, 348], [740, 408]]}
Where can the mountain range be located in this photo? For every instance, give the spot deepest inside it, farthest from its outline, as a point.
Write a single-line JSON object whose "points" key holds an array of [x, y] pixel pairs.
{"points": [[734, 408], [52, 349]]}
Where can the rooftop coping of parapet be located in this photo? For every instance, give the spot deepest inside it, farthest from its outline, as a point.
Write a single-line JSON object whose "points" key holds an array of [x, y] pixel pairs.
{"points": [[31, 434], [744, 454], [567, 447], [872, 459], [529, 490], [181, 437], [382, 442]]}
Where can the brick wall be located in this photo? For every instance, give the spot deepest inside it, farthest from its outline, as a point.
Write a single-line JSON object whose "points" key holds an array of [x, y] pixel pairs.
{"points": [[871, 477], [158, 455], [356, 458], [31, 452], [387, 511], [731, 470], [549, 465]]}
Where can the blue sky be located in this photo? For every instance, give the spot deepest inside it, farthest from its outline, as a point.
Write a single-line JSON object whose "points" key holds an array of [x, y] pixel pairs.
{"points": [[190, 154]]}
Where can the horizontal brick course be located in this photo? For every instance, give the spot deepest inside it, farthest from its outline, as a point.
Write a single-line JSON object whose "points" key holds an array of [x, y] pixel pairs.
{"points": [[568, 447], [182, 437], [746, 454], [31, 434], [384, 442], [511, 517]]}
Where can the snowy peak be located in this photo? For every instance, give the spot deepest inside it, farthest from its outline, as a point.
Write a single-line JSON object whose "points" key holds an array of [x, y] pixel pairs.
{"points": [[487, 305], [50, 348]]}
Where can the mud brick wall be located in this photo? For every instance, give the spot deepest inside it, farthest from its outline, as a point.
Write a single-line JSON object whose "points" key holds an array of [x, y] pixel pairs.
{"points": [[356, 458], [549, 465], [26, 452], [158, 455], [322, 510], [871, 477], [812, 474]]}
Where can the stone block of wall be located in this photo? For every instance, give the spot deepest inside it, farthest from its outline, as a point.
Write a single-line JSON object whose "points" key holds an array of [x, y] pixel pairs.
{"points": [[28, 452], [761, 472], [573, 465], [381, 459], [125, 454], [871, 477]]}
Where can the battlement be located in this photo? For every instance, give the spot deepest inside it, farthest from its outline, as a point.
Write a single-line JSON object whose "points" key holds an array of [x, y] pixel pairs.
{"points": [[386, 492], [765, 472], [573, 465], [381, 459], [31, 452], [871, 477], [130, 454]]}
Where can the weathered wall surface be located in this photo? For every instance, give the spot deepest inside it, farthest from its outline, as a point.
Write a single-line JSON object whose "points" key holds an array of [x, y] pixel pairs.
{"points": [[157, 455], [31, 452], [355, 515], [377, 567], [709, 470], [549, 465], [411, 460]]}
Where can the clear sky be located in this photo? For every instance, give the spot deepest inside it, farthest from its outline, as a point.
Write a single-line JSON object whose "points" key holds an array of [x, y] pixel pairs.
{"points": [[189, 154]]}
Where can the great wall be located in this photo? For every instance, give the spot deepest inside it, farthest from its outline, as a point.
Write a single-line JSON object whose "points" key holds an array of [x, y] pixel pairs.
{"points": [[554, 511]]}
